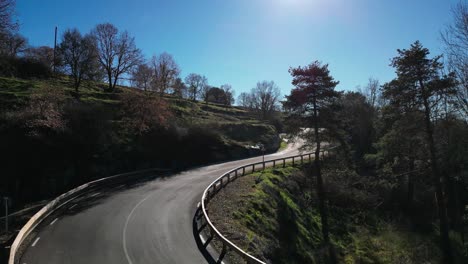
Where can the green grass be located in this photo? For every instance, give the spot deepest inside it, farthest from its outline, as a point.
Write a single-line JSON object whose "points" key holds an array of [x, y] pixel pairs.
{"points": [[283, 145], [236, 126], [279, 226]]}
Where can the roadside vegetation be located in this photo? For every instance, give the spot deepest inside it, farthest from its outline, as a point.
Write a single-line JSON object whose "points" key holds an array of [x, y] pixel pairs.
{"points": [[273, 215]]}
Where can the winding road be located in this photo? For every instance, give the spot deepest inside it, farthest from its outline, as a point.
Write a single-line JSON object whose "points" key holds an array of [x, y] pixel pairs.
{"points": [[142, 222]]}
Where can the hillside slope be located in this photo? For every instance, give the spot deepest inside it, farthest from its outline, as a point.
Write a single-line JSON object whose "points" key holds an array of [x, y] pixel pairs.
{"points": [[53, 138], [273, 215]]}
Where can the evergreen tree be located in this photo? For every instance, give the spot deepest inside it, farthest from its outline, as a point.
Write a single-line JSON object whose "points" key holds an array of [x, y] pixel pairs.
{"points": [[420, 86], [310, 105]]}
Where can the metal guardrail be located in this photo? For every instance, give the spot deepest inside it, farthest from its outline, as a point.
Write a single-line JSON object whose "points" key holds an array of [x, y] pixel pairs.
{"points": [[230, 176], [63, 199]]}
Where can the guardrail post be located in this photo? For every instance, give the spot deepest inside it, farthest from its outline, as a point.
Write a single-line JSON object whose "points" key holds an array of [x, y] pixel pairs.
{"points": [[243, 171], [223, 253], [253, 167], [229, 177], [284, 163], [293, 161], [263, 165], [310, 157], [302, 160], [274, 163]]}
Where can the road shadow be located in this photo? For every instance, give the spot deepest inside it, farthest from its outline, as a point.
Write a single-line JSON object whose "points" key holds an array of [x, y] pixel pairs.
{"points": [[92, 197], [98, 194]]}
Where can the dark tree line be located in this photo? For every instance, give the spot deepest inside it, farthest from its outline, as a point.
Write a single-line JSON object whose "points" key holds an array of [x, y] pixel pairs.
{"points": [[407, 128]]}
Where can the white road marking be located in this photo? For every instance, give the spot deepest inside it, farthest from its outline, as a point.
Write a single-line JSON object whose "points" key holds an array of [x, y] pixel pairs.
{"points": [[35, 242], [71, 207], [53, 222], [124, 231], [94, 194]]}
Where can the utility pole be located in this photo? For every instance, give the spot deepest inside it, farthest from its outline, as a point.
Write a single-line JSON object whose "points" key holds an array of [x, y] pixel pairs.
{"points": [[55, 48], [5, 199]]}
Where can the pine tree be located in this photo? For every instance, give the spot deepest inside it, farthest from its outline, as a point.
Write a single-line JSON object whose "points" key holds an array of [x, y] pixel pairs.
{"points": [[309, 104], [420, 86]]}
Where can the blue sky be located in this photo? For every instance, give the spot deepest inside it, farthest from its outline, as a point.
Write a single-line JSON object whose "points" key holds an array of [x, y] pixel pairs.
{"points": [[241, 42]]}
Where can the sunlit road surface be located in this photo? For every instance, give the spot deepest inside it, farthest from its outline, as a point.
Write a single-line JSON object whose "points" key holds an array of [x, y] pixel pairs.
{"points": [[148, 222]]}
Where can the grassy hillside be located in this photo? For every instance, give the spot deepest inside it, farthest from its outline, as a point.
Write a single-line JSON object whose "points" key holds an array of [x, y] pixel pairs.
{"points": [[53, 138], [274, 216], [236, 125]]}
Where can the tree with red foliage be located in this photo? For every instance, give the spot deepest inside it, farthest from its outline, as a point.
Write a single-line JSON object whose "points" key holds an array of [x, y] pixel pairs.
{"points": [[144, 111], [309, 105]]}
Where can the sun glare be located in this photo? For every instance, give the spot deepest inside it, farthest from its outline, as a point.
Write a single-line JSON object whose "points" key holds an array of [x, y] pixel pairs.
{"points": [[298, 5]]}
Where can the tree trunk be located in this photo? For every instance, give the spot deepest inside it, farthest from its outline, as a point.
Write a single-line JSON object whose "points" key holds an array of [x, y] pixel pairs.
{"points": [[320, 190], [109, 77], [410, 197], [438, 184], [115, 82]]}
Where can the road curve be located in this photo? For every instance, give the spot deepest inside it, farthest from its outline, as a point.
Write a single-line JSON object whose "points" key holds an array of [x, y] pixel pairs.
{"points": [[146, 222]]}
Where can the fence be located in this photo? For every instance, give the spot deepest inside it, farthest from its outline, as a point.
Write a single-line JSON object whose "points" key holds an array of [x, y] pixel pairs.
{"points": [[64, 199], [230, 176]]}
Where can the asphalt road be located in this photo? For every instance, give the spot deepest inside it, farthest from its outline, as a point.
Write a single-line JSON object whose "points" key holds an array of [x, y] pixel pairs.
{"points": [[146, 222]]}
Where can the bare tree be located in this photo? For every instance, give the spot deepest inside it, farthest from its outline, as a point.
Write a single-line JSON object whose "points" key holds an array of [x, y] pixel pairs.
{"points": [[245, 100], [118, 53], [228, 93], [142, 76], [265, 97], [372, 92], [7, 15], [11, 44], [79, 55], [42, 54], [455, 38], [165, 70], [179, 88], [196, 83], [204, 90]]}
